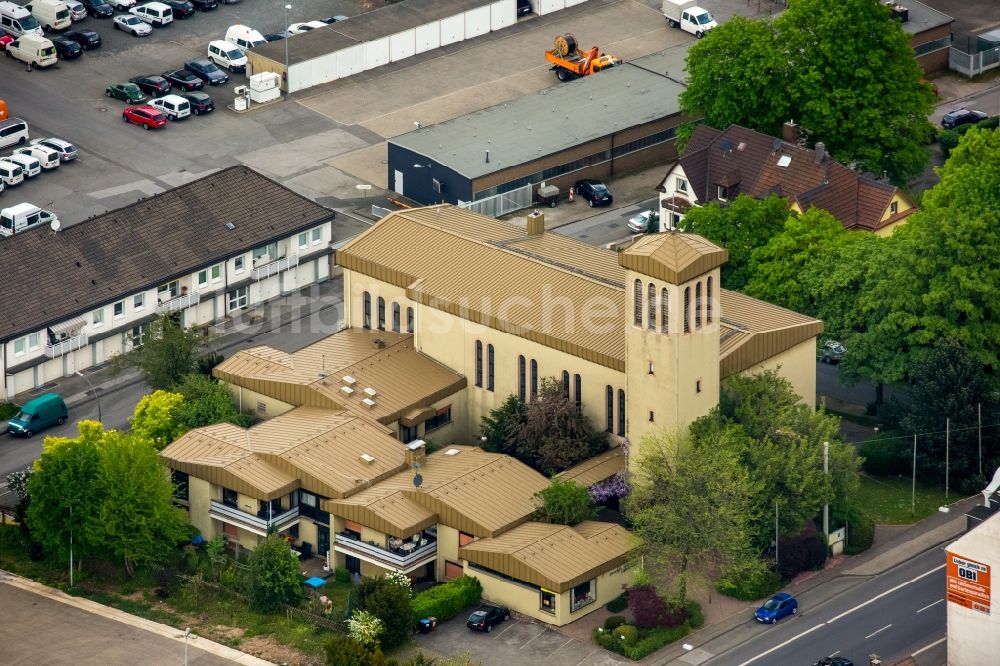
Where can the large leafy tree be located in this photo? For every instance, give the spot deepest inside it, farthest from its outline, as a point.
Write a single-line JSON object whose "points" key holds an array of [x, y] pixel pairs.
{"points": [[155, 419], [745, 224], [844, 70], [166, 353], [565, 503], [390, 600], [206, 402]]}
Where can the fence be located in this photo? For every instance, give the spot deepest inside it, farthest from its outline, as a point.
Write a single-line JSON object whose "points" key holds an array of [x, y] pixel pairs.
{"points": [[501, 204], [379, 212], [972, 64]]}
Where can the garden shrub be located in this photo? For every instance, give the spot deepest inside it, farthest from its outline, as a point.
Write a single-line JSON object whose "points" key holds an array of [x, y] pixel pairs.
{"points": [[817, 552], [447, 600], [860, 528], [648, 608], [696, 617], [749, 581], [614, 621], [341, 575], [885, 457], [793, 558], [8, 410], [645, 642], [618, 604], [388, 598], [626, 634]]}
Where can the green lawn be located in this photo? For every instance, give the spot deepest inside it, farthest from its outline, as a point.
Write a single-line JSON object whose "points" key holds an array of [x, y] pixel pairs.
{"points": [[888, 500]]}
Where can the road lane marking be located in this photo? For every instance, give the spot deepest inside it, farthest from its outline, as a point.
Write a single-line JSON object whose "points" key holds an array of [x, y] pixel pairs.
{"points": [[886, 593], [781, 645], [929, 605], [879, 631], [928, 647], [831, 656]]}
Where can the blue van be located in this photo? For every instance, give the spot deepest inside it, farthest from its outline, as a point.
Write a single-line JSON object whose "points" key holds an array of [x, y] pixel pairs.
{"points": [[42, 412]]}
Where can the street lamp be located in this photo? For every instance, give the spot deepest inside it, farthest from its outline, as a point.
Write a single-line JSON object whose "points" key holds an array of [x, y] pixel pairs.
{"points": [[96, 397], [285, 29]]}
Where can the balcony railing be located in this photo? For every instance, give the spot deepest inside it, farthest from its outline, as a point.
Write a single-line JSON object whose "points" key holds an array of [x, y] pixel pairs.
{"points": [[66, 345], [265, 271], [179, 303], [399, 558], [250, 521]]}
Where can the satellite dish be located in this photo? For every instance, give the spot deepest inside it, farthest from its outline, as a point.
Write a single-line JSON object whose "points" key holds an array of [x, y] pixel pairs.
{"points": [[417, 480], [54, 225]]}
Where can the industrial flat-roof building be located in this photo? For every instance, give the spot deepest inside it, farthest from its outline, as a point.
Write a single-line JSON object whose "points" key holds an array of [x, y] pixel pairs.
{"points": [[621, 119]]}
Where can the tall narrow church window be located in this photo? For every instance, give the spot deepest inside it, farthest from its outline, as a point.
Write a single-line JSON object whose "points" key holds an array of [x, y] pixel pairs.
{"points": [[697, 305], [708, 300], [621, 412], [664, 312], [609, 407], [652, 306], [687, 309], [638, 303]]}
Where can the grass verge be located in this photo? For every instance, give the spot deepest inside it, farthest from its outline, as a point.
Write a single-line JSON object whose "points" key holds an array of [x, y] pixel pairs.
{"points": [[888, 500]]}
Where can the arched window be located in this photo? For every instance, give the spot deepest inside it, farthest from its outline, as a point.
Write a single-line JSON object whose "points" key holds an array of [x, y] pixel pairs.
{"points": [[409, 320], [381, 313], [489, 367], [637, 305], [697, 306], [708, 300], [578, 390], [652, 307], [520, 378], [534, 379], [687, 309], [395, 317], [610, 408], [664, 312], [479, 363], [367, 310], [565, 378], [621, 412]]}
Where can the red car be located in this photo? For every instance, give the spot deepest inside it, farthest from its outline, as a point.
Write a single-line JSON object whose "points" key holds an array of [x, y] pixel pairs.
{"points": [[5, 39], [144, 115]]}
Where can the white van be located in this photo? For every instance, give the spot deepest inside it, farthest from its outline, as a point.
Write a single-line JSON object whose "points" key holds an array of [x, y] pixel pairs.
{"points": [[52, 14], [34, 50], [13, 131], [23, 216], [47, 157], [224, 54], [29, 165], [244, 37], [174, 107], [154, 13], [11, 173], [18, 21]]}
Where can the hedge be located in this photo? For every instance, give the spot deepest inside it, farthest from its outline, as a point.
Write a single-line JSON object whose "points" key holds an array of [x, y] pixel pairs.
{"points": [[618, 604], [8, 410], [749, 581], [614, 621], [447, 600], [860, 528], [636, 642]]}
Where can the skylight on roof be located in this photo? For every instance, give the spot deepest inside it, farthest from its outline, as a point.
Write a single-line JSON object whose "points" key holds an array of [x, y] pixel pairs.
{"points": [[784, 160]]}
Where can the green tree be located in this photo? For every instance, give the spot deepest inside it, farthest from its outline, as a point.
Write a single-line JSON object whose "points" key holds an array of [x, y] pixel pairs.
{"points": [[274, 575], [206, 402], [342, 650], [565, 503], [390, 602], [166, 353], [156, 418], [745, 224], [502, 426], [689, 505], [138, 520], [844, 70]]}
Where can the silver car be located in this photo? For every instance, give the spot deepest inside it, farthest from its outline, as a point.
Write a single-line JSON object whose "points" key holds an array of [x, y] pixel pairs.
{"points": [[66, 150], [77, 12], [132, 24]]}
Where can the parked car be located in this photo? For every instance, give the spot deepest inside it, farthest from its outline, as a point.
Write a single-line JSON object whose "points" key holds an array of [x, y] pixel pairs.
{"points": [[156, 14], [486, 617], [174, 107], [831, 351], [30, 167], [132, 24], [244, 37], [183, 79], [66, 150], [181, 8], [47, 157], [66, 49], [5, 39], [834, 661], [147, 116], [330, 20], [126, 92], [98, 8], [200, 102], [122, 5], [523, 7], [77, 12], [204, 5], [777, 607], [958, 117], [206, 70], [305, 26], [152, 84], [594, 191], [227, 55], [88, 39], [11, 173], [277, 36], [37, 414], [640, 223]]}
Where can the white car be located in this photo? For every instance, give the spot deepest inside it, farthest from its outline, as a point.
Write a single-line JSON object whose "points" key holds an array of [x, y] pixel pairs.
{"points": [[66, 150], [77, 12], [640, 223], [48, 158], [132, 24], [306, 26], [30, 167], [121, 5], [174, 107]]}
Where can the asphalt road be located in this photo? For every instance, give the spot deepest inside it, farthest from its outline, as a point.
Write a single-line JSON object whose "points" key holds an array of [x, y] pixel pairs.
{"points": [[606, 226], [894, 615]]}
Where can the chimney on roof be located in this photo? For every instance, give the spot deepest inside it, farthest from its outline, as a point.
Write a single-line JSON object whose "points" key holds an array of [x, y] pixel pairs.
{"points": [[415, 453], [820, 152], [790, 132], [536, 223]]}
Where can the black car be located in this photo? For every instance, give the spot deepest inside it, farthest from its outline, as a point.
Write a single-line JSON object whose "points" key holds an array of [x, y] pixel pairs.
{"points": [[204, 5], [98, 8], [834, 661], [206, 70], [277, 36], [180, 8], [200, 102], [961, 117], [523, 7], [486, 617], [88, 39], [66, 49], [330, 20], [183, 79], [152, 85], [595, 192]]}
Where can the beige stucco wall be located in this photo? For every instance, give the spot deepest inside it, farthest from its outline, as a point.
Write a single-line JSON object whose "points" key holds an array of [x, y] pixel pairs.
{"points": [[447, 549], [199, 496], [247, 402], [797, 365]]}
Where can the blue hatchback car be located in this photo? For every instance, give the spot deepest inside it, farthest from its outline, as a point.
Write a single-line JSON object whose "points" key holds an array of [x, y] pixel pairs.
{"points": [[776, 607]]}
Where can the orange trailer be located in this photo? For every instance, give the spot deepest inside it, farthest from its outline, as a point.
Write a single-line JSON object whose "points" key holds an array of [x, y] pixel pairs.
{"points": [[569, 62]]}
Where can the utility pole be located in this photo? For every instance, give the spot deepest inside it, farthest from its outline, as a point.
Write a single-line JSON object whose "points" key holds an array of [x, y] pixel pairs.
{"points": [[947, 453], [979, 412], [71, 545], [775, 534], [913, 490], [826, 507]]}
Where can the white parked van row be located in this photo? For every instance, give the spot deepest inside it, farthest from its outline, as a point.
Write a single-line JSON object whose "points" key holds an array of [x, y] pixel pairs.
{"points": [[47, 158], [22, 217], [52, 14], [688, 16], [13, 131], [17, 20], [33, 50], [11, 173], [30, 167]]}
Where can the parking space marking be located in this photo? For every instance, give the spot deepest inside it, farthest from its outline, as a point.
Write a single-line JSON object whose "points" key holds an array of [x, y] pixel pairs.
{"points": [[512, 624], [589, 655], [568, 641], [533, 638]]}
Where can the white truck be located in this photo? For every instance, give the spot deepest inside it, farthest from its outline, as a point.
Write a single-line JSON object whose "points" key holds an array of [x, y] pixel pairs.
{"points": [[688, 16]]}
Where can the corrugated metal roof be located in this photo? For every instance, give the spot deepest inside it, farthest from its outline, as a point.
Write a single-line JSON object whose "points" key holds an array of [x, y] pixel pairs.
{"points": [[599, 468], [923, 18], [556, 557], [546, 122], [672, 256]]}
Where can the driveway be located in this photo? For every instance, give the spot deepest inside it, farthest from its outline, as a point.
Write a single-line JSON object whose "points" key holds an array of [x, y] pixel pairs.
{"points": [[515, 642]]}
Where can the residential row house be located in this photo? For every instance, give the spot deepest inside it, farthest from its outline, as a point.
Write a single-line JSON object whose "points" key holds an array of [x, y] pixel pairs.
{"points": [[207, 252]]}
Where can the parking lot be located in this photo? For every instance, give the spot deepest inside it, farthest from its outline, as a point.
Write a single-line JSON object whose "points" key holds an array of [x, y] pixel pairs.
{"points": [[515, 642]]}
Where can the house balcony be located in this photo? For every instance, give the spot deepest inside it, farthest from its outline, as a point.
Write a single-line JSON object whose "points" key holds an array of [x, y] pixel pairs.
{"points": [[264, 271], [66, 345], [252, 522], [179, 303], [404, 558]]}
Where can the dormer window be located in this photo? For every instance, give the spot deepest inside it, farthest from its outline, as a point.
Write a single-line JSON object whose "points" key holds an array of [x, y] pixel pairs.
{"points": [[682, 185], [893, 207], [723, 192]]}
